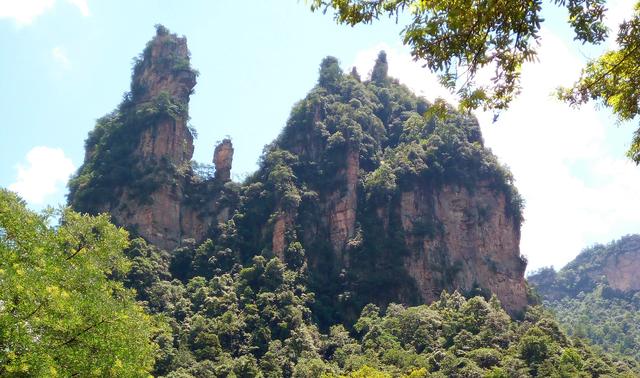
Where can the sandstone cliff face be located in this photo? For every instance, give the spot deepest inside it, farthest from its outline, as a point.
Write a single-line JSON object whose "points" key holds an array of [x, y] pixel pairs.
{"points": [[469, 243], [164, 67], [622, 270], [341, 205], [223, 159], [166, 142]]}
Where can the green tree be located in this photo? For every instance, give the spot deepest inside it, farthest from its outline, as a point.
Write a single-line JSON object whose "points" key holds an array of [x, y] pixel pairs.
{"points": [[60, 314], [613, 79]]}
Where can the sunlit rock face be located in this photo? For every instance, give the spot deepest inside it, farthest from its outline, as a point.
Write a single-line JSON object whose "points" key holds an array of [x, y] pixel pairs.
{"points": [[156, 114]]}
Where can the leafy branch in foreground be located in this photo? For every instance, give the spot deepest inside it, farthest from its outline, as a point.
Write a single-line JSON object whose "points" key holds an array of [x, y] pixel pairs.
{"points": [[613, 80], [458, 38], [60, 313]]}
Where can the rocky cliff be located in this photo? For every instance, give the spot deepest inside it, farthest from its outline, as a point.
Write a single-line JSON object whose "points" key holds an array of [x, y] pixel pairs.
{"points": [[614, 265], [138, 162], [377, 194]]}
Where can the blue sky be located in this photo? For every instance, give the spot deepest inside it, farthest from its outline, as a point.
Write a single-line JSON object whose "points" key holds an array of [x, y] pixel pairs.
{"points": [[68, 62]]}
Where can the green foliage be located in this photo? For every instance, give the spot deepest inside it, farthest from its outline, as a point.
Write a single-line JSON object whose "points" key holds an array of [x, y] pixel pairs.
{"points": [[330, 73], [380, 69], [256, 320], [110, 163], [60, 313], [612, 79], [587, 307], [458, 38]]}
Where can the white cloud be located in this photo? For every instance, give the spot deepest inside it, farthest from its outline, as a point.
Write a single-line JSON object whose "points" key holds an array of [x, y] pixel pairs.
{"points": [[577, 191], [47, 169], [61, 58], [82, 6], [24, 12]]}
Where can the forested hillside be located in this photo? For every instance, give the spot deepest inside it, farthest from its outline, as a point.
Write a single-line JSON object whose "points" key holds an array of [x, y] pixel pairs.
{"points": [[64, 312], [379, 237], [597, 295], [257, 320]]}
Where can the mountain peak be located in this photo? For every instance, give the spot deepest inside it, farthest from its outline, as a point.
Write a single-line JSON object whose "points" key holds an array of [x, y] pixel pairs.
{"points": [[163, 66]]}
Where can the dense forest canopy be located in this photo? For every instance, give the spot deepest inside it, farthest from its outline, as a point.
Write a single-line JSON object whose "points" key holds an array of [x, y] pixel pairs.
{"points": [[62, 313], [66, 313]]}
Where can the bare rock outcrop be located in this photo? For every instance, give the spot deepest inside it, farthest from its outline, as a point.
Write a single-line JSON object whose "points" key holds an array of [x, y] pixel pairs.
{"points": [[164, 68], [463, 240], [223, 159], [622, 270], [342, 204]]}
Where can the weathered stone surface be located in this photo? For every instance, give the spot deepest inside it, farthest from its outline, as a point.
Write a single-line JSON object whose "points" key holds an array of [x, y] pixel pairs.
{"points": [[342, 204], [164, 218], [472, 243], [223, 160], [168, 139], [278, 239], [164, 68], [622, 271]]}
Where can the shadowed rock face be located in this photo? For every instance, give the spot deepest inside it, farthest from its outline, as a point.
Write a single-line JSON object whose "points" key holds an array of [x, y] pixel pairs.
{"points": [[427, 235]]}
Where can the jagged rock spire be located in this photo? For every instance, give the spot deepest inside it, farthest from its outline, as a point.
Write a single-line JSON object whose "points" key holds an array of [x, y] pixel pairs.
{"points": [[163, 66], [223, 159]]}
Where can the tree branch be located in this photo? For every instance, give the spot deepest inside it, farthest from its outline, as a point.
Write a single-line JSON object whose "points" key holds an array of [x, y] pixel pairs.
{"points": [[89, 328]]}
